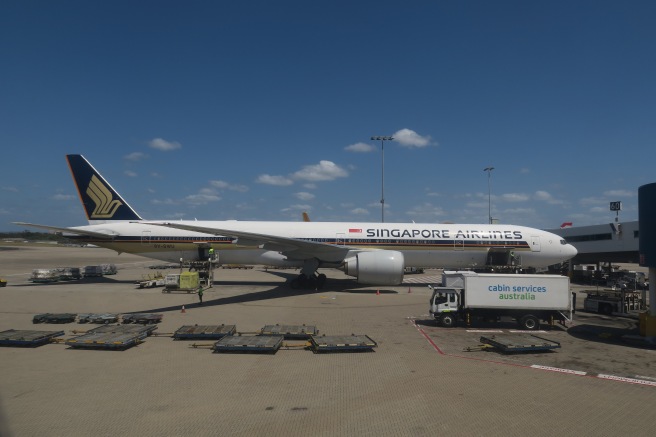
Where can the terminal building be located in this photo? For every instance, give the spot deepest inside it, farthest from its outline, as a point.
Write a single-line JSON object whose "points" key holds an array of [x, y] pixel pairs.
{"points": [[607, 243]]}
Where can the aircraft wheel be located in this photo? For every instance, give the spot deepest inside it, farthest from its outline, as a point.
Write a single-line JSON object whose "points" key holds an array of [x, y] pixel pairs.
{"points": [[321, 279]]}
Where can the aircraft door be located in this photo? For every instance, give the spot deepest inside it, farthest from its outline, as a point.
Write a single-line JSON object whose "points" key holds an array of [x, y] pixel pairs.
{"points": [[459, 245], [535, 243], [145, 237], [340, 239]]}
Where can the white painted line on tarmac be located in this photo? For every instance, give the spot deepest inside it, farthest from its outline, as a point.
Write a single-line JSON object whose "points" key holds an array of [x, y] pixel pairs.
{"points": [[557, 369], [484, 331], [519, 331], [534, 366], [629, 380]]}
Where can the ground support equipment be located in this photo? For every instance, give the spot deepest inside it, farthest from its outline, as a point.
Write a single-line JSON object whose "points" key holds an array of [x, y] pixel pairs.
{"points": [[119, 339], [338, 343], [290, 332], [257, 344], [54, 318], [143, 318], [15, 337], [102, 319], [143, 330], [519, 343], [204, 332]]}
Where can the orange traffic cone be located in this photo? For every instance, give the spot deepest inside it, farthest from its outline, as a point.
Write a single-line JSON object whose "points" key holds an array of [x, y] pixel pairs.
{"points": [[183, 310], [377, 292]]}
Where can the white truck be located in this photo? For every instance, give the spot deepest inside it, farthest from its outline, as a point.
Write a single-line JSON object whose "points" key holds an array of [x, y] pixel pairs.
{"points": [[528, 299]]}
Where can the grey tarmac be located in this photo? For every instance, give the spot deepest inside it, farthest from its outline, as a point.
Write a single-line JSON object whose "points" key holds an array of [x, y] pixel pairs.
{"points": [[418, 382]]}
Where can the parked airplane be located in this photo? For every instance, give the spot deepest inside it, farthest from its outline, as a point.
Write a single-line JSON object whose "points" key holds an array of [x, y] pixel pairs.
{"points": [[373, 253]]}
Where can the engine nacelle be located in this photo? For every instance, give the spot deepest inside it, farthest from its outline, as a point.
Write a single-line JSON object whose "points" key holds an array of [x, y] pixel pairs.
{"points": [[381, 267]]}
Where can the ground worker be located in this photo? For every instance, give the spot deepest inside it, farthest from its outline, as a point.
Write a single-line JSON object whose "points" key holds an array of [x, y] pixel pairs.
{"points": [[200, 294], [211, 252]]}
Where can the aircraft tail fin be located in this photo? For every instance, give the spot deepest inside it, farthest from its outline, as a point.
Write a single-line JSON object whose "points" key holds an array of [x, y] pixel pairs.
{"points": [[99, 199]]}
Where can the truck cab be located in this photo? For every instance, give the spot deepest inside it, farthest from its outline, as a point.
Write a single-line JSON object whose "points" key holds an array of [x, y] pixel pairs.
{"points": [[445, 305]]}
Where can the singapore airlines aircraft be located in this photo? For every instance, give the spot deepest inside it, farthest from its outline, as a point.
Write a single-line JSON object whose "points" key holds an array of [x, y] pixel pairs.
{"points": [[373, 253]]}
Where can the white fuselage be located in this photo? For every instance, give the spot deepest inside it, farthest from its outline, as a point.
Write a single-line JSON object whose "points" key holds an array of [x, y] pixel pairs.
{"points": [[422, 245]]}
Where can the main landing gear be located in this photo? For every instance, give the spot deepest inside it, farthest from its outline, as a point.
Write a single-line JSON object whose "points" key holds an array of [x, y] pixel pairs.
{"points": [[308, 279], [311, 282]]}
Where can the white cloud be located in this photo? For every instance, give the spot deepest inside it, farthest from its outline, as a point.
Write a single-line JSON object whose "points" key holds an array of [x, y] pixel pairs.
{"points": [[619, 193], [360, 148], [135, 156], [475, 204], [63, 197], [130, 173], [10, 189], [167, 201], [163, 145], [222, 185], [588, 201], [297, 208], [360, 211], [543, 195], [519, 211], [426, 210], [546, 197], [304, 196], [279, 181], [324, 171], [410, 138], [202, 198], [514, 197]]}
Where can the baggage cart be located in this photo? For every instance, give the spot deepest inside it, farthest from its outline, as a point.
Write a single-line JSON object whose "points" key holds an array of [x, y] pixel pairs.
{"points": [[341, 343], [54, 318], [15, 337], [204, 332], [256, 344]]}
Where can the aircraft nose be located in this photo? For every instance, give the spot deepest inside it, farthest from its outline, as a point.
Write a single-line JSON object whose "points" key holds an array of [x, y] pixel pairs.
{"points": [[570, 251]]}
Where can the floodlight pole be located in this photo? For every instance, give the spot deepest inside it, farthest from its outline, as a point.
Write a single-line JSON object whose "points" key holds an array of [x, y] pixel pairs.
{"points": [[489, 193], [382, 172]]}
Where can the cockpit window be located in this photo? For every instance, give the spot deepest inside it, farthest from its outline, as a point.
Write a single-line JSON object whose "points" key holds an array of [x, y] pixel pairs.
{"points": [[563, 242]]}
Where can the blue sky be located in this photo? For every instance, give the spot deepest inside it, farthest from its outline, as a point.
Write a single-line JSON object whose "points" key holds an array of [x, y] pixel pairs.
{"points": [[259, 110]]}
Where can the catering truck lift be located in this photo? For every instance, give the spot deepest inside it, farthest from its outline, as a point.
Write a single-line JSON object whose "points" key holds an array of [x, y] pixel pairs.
{"points": [[528, 299]]}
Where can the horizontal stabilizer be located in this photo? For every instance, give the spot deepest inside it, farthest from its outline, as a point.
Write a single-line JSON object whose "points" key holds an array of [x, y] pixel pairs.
{"points": [[68, 230]]}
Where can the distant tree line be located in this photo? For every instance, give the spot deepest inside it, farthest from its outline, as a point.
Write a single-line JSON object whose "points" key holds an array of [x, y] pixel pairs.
{"points": [[33, 236]]}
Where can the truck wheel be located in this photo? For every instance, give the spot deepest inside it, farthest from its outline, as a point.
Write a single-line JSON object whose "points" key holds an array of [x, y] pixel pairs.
{"points": [[529, 322], [448, 320]]}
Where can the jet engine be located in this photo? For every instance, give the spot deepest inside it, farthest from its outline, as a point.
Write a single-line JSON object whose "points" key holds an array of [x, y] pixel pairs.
{"points": [[383, 267]]}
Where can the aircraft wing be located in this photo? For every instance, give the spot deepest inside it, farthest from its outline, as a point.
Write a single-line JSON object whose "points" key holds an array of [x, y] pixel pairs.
{"points": [[293, 248], [68, 230]]}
